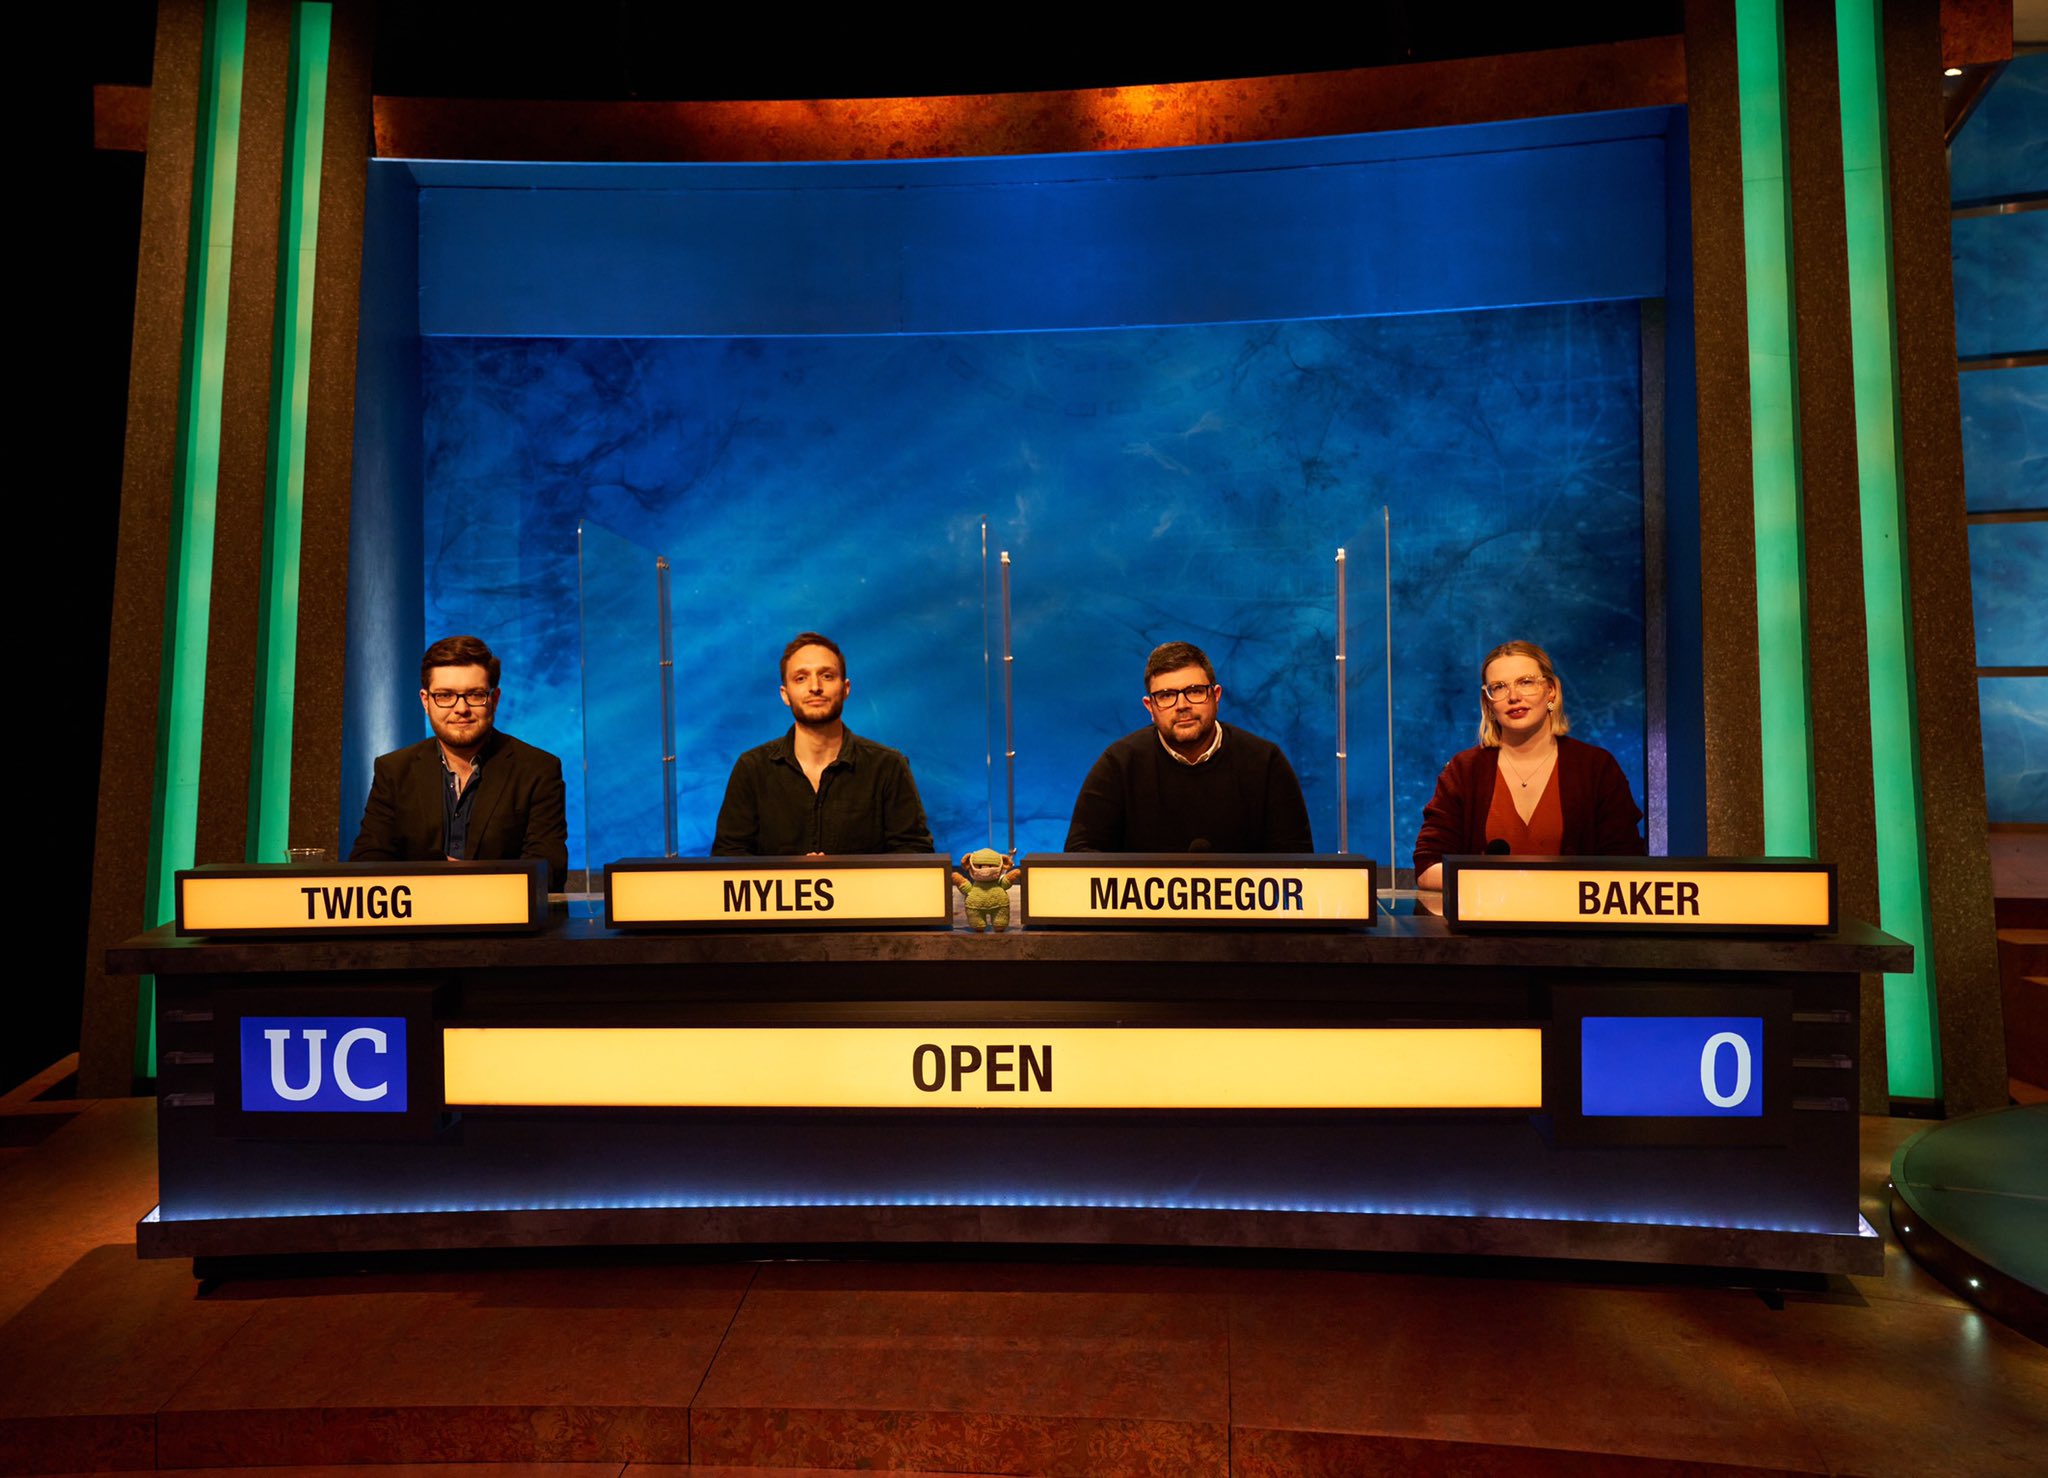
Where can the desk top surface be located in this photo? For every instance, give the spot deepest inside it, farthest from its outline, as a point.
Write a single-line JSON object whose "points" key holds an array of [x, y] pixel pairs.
{"points": [[1399, 941]]}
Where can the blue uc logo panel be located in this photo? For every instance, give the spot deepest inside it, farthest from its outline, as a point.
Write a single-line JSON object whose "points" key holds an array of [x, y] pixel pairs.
{"points": [[1672, 1066], [323, 1064]]}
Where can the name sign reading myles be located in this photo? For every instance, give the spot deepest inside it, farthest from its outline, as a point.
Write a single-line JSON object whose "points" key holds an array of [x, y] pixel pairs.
{"points": [[779, 893], [1157, 890], [360, 898]]}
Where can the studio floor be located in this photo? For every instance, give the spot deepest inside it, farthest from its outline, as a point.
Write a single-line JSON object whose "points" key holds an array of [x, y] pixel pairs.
{"points": [[649, 1362]]}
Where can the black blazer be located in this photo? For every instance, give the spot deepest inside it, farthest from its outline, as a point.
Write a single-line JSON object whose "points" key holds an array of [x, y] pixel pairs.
{"points": [[519, 810]]}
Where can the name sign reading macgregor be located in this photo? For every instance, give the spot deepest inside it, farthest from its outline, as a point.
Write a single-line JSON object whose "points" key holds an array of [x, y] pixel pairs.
{"points": [[359, 898], [1172, 891], [995, 1067], [1645, 895], [779, 893]]}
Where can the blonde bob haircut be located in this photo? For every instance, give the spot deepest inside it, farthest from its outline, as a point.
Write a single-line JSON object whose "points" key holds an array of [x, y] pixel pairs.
{"points": [[1489, 726]]}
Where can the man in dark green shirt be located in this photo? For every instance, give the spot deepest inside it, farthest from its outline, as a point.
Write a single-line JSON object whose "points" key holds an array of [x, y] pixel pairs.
{"points": [[819, 790]]}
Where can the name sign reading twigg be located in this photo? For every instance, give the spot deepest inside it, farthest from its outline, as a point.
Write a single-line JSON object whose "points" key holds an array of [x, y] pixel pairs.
{"points": [[417, 898], [779, 892], [1641, 895], [1173, 891]]}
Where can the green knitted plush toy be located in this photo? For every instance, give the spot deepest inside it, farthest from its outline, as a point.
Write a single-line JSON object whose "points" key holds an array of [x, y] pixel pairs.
{"points": [[986, 885]]}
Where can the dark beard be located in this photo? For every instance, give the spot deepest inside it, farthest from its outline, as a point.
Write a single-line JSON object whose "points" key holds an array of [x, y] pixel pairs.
{"points": [[831, 716]]}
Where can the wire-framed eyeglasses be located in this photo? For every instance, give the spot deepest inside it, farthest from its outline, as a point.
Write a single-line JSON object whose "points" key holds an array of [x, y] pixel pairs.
{"points": [[1521, 687]]}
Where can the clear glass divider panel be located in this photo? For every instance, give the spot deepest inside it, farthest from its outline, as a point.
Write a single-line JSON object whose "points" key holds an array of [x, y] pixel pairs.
{"points": [[899, 591], [626, 767], [1364, 728]]}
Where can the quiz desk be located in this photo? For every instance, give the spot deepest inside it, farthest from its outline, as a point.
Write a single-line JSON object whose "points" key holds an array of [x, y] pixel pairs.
{"points": [[970, 1042]]}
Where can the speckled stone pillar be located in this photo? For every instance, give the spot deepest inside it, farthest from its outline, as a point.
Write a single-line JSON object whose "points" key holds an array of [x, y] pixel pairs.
{"points": [[1735, 805], [231, 628], [1963, 941], [1831, 502], [148, 476], [330, 431], [149, 479]]}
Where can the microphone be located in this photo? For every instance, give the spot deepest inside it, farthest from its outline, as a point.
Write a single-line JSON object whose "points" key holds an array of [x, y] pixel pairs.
{"points": [[1497, 847]]}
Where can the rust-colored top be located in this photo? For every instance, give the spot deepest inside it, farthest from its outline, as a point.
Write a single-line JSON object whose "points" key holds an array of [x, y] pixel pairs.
{"points": [[1542, 835]]}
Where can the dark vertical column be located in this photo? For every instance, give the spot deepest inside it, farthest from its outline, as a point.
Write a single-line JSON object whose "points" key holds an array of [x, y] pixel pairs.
{"points": [[1734, 758], [1685, 798], [330, 430], [1963, 940], [1838, 650], [148, 476], [231, 675], [386, 560], [1656, 590]]}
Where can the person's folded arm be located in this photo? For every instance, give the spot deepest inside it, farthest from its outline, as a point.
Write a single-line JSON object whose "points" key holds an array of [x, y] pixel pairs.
{"points": [[1440, 834], [376, 838], [1287, 824], [739, 817], [1617, 817], [1098, 820], [904, 828], [547, 825]]}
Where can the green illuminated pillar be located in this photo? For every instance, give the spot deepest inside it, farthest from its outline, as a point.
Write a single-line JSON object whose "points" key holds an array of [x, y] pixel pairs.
{"points": [[174, 807], [1784, 718], [270, 769], [1911, 1044]]}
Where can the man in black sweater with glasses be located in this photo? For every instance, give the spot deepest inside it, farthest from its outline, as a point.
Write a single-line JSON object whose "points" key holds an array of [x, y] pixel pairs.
{"points": [[1188, 783]]}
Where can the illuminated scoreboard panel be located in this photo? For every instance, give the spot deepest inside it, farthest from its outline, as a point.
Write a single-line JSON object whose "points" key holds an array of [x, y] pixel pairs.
{"points": [[1627, 1067], [1671, 1066], [1574, 1097], [926, 1067]]}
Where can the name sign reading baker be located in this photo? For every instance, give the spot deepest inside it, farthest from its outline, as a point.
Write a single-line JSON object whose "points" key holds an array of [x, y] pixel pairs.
{"points": [[896, 891], [1175, 890], [1638, 894]]}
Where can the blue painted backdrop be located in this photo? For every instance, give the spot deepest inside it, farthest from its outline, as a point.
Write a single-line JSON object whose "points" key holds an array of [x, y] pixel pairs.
{"points": [[1173, 382], [1150, 484]]}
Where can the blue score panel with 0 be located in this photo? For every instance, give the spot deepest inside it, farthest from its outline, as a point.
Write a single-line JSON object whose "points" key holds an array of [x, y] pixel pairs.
{"points": [[1671, 1066]]}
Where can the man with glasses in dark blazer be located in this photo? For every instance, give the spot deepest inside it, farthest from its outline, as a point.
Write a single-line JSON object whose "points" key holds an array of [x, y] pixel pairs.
{"points": [[471, 792]]}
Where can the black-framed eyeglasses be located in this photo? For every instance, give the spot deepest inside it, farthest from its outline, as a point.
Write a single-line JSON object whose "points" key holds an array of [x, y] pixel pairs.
{"points": [[1173, 697], [1521, 687], [474, 697]]}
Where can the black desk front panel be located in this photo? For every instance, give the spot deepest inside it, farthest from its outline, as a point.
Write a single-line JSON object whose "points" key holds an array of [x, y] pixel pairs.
{"points": [[1774, 1190]]}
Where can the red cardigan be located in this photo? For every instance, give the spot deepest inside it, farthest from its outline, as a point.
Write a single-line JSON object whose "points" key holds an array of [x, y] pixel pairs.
{"points": [[1600, 815]]}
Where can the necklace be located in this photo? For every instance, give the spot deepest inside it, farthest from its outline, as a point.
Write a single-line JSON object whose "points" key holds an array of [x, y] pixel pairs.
{"points": [[1522, 777]]}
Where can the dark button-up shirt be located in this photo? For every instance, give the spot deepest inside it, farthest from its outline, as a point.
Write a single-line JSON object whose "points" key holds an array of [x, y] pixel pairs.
{"points": [[455, 808], [865, 802]]}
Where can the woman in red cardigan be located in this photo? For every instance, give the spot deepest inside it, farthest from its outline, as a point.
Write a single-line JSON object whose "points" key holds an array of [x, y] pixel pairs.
{"points": [[1526, 784]]}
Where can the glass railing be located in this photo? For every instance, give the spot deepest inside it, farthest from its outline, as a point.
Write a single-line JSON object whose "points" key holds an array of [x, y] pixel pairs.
{"points": [[629, 798], [1001, 673], [1069, 624]]}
